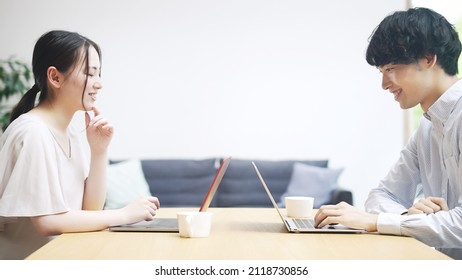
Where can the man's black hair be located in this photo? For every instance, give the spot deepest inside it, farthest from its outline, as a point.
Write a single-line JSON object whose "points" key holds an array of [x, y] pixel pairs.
{"points": [[406, 36]]}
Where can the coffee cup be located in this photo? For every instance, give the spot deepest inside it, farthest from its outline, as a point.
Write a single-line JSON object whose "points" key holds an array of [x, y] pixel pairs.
{"points": [[299, 206], [194, 224]]}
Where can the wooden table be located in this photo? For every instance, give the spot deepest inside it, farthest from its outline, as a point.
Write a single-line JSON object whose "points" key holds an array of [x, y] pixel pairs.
{"points": [[237, 234]]}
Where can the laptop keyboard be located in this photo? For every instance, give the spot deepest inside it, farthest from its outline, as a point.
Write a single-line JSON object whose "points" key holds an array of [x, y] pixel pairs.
{"points": [[303, 223]]}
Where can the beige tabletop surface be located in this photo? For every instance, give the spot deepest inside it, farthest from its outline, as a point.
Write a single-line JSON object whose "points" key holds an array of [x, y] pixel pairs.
{"points": [[237, 234]]}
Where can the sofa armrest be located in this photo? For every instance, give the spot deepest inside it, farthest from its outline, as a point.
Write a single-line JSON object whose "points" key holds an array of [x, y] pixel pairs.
{"points": [[340, 194]]}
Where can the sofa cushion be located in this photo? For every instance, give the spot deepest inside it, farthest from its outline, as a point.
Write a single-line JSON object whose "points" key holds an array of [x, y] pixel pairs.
{"points": [[317, 182], [241, 186], [125, 183], [168, 179]]}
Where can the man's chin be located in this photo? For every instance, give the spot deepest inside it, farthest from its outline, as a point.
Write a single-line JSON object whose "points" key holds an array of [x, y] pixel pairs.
{"points": [[406, 106]]}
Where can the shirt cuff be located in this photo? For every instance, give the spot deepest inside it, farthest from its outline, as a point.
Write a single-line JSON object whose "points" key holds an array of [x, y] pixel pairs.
{"points": [[389, 223]]}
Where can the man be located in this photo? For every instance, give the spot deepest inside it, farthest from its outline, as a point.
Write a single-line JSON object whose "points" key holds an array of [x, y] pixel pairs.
{"points": [[416, 51]]}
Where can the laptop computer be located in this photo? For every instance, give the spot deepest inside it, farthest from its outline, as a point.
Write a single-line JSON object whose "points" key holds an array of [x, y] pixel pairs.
{"points": [[302, 225], [171, 224]]}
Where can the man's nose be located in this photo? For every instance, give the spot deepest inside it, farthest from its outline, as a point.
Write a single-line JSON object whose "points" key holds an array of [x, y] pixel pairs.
{"points": [[386, 83]]}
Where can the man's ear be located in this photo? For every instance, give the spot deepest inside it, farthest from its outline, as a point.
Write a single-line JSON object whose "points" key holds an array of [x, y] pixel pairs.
{"points": [[54, 77], [430, 60]]}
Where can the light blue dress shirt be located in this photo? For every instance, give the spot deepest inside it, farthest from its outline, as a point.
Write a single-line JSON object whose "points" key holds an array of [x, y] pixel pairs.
{"points": [[430, 161]]}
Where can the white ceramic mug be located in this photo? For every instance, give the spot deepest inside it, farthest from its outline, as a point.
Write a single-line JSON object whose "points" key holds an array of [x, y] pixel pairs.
{"points": [[299, 206], [194, 224]]}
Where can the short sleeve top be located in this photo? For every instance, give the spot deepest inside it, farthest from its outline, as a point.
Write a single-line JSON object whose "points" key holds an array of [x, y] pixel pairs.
{"points": [[36, 176]]}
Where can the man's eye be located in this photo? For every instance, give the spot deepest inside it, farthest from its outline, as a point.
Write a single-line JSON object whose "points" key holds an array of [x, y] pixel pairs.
{"points": [[389, 69]]}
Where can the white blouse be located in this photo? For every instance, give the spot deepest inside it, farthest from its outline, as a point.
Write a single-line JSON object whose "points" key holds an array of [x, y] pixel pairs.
{"points": [[36, 178]]}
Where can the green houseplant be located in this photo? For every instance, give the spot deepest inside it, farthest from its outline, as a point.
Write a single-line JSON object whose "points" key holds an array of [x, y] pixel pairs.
{"points": [[15, 79]]}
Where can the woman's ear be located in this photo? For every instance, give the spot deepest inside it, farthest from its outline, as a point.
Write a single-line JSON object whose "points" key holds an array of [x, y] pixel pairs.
{"points": [[54, 77]]}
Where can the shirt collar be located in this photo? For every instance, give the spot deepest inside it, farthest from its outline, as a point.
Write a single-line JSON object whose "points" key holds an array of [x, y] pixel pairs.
{"points": [[443, 106]]}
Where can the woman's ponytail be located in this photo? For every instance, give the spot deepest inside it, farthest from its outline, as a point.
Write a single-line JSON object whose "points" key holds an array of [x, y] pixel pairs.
{"points": [[26, 103]]}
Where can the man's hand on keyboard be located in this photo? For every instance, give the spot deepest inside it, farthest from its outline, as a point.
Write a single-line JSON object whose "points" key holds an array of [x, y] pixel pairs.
{"points": [[347, 215]]}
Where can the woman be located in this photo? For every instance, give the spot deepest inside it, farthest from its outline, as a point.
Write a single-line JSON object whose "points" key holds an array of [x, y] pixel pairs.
{"points": [[47, 184]]}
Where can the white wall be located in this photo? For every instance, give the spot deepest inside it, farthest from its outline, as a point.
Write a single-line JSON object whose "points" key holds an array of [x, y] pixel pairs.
{"points": [[248, 78]]}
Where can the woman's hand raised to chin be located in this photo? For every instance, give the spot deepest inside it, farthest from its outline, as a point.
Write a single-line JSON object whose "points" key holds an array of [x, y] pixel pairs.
{"points": [[99, 131]]}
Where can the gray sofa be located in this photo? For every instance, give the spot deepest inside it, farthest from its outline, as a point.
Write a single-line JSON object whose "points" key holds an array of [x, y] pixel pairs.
{"points": [[184, 182]]}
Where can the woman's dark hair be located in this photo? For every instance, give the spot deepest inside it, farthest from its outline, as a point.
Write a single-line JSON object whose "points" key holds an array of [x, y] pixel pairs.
{"points": [[58, 48], [406, 36]]}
